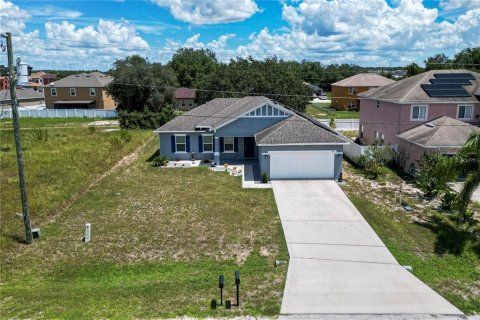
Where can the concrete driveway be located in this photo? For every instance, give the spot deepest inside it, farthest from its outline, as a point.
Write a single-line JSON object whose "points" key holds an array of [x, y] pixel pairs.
{"points": [[338, 265]]}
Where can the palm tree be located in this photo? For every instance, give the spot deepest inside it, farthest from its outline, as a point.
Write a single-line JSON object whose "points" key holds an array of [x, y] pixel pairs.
{"points": [[468, 162]]}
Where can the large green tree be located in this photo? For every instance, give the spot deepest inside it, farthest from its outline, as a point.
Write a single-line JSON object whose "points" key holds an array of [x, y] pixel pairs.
{"points": [[413, 69], [438, 62], [467, 163], [192, 65], [140, 85], [468, 58]]}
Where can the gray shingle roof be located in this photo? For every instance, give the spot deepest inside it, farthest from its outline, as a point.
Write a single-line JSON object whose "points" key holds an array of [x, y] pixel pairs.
{"points": [[364, 80], [188, 121], [409, 90], [239, 107], [440, 132], [93, 80], [298, 130], [22, 94]]}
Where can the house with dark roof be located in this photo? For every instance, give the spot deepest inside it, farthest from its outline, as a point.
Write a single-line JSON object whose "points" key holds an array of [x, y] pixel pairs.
{"points": [[285, 143], [26, 97], [391, 109], [80, 91], [345, 92], [184, 99], [442, 135]]}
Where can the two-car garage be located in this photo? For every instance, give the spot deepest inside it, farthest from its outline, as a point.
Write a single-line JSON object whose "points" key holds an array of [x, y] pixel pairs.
{"points": [[305, 164]]}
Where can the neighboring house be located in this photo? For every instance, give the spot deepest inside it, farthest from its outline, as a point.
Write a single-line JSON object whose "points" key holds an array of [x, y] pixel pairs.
{"points": [[26, 97], [398, 74], [442, 135], [42, 78], [344, 92], [184, 99], [83, 91], [4, 83], [397, 107], [286, 144]]}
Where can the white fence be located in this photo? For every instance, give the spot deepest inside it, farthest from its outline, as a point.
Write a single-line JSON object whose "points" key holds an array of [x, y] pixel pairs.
{"points": [[64, 113], [343, 124], [353, 150]]}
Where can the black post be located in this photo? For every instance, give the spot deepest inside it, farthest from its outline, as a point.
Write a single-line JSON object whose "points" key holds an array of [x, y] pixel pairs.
{"points": [[237, 283], [220, 285]]}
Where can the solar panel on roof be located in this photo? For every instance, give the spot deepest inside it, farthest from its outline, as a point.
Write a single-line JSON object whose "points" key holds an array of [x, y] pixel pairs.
{"points": [[451, 81], [446, 93], [442, 86], [467, 76]]}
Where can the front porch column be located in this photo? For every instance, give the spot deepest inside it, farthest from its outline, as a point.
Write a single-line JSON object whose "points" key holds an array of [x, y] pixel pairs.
{"points": [[216, 154]]}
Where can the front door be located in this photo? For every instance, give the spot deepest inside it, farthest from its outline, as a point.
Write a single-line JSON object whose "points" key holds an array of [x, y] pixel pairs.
{"points": [[249, 147]]}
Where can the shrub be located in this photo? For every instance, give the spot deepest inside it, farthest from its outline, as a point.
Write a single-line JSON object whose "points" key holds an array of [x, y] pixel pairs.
{"points": [[374, 159], [116, 142], [447, 200], [40, 134], [146, 119], [92, 129], [264, 177], [159, 161], [433, 174], [332, 123]]}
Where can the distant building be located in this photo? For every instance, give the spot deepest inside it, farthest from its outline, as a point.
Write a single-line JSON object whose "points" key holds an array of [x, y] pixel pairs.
{"points": [[344, 92], [26, 97], [4, 83], [82, 91], [41, 78], [184, 98], [399, 74]]}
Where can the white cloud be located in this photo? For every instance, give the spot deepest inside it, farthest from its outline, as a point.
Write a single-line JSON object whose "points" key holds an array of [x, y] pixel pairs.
{"points": [[200, 12], [12, 18], [459, 4], [55, 13]]}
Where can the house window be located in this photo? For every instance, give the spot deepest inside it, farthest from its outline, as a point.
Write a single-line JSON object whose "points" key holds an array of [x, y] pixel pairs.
{"points": [[465, 112], [92, 92], [183, 103], [53, 92], [190, 104], [207, 143], [352, 105], [352, 91], [378, 104], [180, 143], [228, 144], [73, 92], [418, 113]]}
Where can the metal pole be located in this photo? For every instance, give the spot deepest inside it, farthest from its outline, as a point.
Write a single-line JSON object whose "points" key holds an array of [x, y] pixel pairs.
{"points": [[18, 143]]}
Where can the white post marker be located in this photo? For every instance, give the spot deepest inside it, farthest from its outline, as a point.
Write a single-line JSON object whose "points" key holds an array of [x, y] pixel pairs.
{"points": [[88, 230]]}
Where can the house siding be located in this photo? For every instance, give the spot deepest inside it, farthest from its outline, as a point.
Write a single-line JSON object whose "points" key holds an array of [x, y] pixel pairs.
{"points": [[166, 148], [340, 97], [392, 118], [101, 98], [247, 127], [265, 161]]}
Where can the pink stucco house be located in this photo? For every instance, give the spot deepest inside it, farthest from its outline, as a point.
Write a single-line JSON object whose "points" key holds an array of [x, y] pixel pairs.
{"points": [[392, 109]]}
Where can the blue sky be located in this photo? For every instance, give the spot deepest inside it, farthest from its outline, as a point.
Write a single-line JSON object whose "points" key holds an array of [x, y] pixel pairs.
{"points": [[92, 34]]}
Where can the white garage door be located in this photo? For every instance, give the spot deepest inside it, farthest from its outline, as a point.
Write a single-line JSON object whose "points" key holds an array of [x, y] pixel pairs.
{"points": [[302, 164]]}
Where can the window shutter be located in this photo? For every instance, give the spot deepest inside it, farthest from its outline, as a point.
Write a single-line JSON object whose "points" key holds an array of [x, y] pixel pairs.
{"points": [[173, 144], [213, 141], [221, 144], [200, 143], [187, 142], [235, 144]]}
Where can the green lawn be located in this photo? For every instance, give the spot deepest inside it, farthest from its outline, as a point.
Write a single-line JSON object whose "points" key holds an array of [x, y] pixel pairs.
{"points": [[321, 111], [59, 162], [445, 260], [160, 238]]}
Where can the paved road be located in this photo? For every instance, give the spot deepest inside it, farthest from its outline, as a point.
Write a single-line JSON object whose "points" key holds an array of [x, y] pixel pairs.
{"points": [[338, 265]]}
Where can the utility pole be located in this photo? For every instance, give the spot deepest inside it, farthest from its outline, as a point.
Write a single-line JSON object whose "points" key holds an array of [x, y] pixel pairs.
{"points": [[18, 143]]}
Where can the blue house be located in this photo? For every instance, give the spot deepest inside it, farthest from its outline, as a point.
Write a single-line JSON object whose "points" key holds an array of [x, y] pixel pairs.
{"points": [[286, 144]]}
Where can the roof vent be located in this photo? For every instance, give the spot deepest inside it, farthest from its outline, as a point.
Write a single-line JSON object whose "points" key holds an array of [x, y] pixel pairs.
{"points": [[430, 125]]}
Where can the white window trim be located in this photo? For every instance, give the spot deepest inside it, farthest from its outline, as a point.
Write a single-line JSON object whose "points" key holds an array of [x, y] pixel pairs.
{"points": [[203, 143], [465, 105], [233, 145], [53, 90], [90, 92], [419, 105], [185, 143], [351, 91], [74, 91]]}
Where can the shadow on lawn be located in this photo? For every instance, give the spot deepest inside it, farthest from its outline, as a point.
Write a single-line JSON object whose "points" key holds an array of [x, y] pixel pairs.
{"points": [[155, 154], [451, 238]]}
